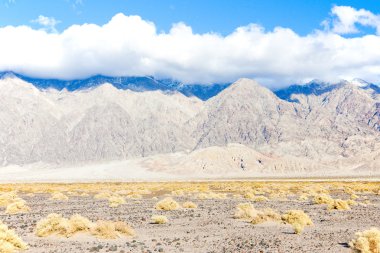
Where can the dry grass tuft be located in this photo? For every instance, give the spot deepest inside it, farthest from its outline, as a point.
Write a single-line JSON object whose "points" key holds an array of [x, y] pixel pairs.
{"points": [[245, 211], [9, 241], [340, 205], [189, 204], [323, 199], [8, 198], [159, 219], [167, 204], [19, 206], [111, 230], [298, 219], [115, 201], [266, 215], [55, 224], [367, 241]]}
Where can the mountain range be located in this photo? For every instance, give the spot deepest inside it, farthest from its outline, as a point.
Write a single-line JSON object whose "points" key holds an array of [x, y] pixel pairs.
{"points": [[241, 127]]}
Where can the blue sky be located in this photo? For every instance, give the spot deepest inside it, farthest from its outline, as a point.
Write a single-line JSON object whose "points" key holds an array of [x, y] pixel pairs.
{"points": [[221, 16], [193, 41]]}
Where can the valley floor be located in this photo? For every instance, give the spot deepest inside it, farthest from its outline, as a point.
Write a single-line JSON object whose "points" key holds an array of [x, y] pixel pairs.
{"points": [[211, 227]]}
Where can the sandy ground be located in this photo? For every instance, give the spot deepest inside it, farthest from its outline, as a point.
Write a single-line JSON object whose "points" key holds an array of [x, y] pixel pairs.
{"points": [[209, 228]]}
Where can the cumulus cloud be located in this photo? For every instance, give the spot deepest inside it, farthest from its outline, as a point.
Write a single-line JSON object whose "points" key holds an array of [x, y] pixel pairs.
{"points": [[345, 20], [48, 23], [131, 46]]}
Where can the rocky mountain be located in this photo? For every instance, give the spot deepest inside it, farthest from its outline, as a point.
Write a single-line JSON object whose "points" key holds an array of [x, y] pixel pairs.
{"points": [[309, 129], [134, 83]]}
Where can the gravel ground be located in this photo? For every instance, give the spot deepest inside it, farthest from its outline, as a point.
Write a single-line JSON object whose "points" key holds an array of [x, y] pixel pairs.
{"points": [[208, 228]]}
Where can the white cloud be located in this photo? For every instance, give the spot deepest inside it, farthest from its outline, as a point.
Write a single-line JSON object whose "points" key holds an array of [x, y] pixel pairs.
{"points": [[48, 23], [129, 45], [345, 20]]}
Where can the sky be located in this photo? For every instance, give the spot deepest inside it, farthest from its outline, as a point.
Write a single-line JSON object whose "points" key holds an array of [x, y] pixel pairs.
{"points": [[194, 41]]}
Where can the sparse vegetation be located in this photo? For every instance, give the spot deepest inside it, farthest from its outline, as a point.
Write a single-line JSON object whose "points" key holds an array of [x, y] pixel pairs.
{"points": [[9, 241], [55, 224], [189, 204], [339, 204], [111, 230], [167, 204], [367, 241], [19, 206], [159, 219], [298, 219], [245, 211], [115, 201]]}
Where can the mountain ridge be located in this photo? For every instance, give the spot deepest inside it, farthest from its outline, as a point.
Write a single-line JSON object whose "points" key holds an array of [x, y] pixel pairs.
{"points": [[106, 124]]}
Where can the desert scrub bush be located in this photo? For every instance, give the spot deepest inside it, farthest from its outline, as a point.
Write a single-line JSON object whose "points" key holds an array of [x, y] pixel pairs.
{"points": [[339, 204], [115, 201], [8, 198], [367, 241], [19, 206], [245, 211], [111, 230], [55, 224], [189, 204], [212, 195], [103, 195], [323, 199], [266, 215], [58, 196], [159, 219], [167, 204], [9, 241], [298, 219]]}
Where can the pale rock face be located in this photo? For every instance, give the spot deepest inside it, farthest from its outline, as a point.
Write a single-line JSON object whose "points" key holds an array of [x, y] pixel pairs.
{"points": [[106, 124]]}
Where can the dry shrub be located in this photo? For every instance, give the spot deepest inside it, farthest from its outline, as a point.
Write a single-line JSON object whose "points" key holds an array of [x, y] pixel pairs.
{"points": [[103, 195], [79, 223], [58, 196], [111, 230], [266, 215], [212, 195], [189, 204], [298, 219], [339, 204], [323, 199], [55, 224], [245, 211], [167, 204], [8, 198], [159, 219], [19, 206], [303, 197], [366, 242], [9, 241], [115, 201]]}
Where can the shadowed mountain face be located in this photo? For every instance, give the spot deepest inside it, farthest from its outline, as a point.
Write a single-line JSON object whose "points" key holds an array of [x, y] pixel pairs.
{"points": [[105, 123]]}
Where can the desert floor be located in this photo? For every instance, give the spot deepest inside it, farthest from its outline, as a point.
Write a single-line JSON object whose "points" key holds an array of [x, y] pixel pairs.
{"points": [[211, 227]]}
